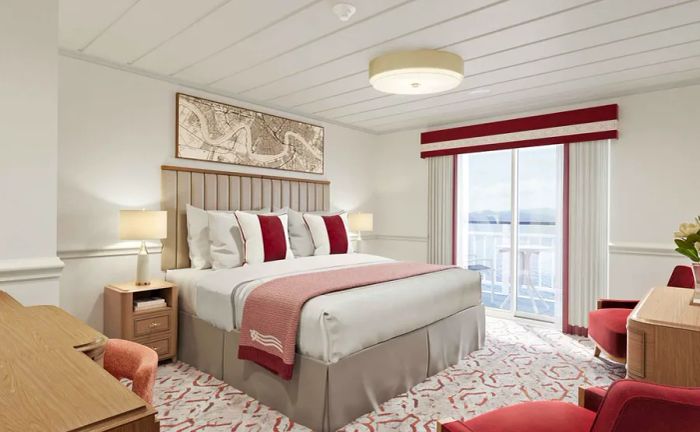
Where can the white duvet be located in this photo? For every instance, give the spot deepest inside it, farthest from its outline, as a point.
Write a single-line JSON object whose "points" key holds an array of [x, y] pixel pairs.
{"points": [[333, 326]]}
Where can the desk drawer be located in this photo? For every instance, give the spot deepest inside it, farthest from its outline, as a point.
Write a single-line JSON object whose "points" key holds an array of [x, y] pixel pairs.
{"points": [[144, 326]]}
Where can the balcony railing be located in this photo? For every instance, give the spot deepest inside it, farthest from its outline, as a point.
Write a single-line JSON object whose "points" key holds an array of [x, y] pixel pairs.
{"points": [[487, 249]]}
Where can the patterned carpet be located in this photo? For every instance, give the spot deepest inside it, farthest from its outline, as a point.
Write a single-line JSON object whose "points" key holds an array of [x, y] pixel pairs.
{"points": [[519, 363]]}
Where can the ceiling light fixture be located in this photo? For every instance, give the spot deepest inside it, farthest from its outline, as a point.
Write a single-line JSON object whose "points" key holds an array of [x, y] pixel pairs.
{"points": [[416, 72], [344, 11]]}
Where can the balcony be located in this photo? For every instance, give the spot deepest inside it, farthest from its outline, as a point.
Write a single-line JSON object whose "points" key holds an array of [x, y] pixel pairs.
{"points": [[487, 249]]}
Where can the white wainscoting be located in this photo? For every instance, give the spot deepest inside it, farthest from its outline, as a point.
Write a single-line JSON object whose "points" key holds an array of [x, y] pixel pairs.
{"points": [[88, 271], [637, 267], [109, 251], [400, 247], [650, 249], [32, 281], [26, 269]]}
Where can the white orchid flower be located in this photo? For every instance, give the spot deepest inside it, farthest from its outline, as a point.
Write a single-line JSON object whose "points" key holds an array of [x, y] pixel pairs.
{"points": [[687, 229]]}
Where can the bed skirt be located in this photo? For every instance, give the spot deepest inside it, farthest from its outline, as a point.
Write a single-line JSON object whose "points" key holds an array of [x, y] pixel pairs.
{"points": [[326, 396]]}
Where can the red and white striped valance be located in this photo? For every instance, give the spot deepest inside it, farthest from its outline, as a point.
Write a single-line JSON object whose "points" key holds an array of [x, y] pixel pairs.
{"points": [[587, 124]]}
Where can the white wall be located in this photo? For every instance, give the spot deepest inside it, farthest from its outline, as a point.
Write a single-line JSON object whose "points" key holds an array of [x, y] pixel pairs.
{"points": [[653, 188], [400, 198], [28, 93], [115, 131]]}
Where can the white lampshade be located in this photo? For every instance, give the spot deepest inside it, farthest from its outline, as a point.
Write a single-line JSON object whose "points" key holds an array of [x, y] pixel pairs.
{"points": [[416, 72], [361, 222], [143, 224]]}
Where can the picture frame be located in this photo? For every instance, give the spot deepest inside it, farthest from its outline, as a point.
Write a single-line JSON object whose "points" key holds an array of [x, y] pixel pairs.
{"points": [[213, 131]]}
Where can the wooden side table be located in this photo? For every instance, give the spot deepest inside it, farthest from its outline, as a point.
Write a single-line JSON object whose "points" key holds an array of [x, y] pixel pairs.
{"points": [[154, 328]]}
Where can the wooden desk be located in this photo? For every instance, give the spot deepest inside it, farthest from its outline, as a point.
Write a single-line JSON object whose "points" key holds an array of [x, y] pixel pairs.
{"points": [[663, 338], [48, 383]]}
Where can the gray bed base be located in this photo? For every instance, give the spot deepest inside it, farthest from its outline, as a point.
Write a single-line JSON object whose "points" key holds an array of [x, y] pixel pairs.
{"points": [[327, 396]]}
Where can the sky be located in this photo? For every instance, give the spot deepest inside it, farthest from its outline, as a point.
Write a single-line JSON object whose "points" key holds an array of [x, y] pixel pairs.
{"points": [[485, 179]]}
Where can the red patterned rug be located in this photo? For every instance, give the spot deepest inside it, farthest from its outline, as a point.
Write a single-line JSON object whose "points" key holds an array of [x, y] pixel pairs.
{"points": [[519, 363]]}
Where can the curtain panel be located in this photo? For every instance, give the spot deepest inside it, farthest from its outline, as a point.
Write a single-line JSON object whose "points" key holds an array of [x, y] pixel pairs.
{"points": [[588, 232], [440, 209]]}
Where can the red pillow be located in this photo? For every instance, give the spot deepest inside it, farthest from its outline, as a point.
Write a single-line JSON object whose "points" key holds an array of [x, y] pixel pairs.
{"points": [[329, 233]]}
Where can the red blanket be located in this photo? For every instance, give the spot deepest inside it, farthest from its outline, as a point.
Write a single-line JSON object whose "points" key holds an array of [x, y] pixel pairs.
{"points": [[272, 310]]}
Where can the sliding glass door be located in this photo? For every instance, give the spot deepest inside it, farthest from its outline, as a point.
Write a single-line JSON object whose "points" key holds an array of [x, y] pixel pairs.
{"points": [[509, 228]]}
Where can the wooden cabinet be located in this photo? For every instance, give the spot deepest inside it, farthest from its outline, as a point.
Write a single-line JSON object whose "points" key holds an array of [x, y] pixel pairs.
{"points": [[663, 338], [154, 328]]}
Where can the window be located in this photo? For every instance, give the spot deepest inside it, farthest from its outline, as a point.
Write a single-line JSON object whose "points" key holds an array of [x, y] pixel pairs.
{"points": [[509, 228]]}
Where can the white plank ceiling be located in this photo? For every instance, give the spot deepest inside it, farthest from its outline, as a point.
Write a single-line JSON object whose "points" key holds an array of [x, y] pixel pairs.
{"points": [[295, 55]]}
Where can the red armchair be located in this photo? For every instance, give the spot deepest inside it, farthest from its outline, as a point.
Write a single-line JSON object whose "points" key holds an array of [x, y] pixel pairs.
{"points": [[607, 325], [126, 359], [628, 406]]}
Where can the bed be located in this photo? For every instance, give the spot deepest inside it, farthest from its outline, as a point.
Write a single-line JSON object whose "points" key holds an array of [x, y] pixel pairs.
{"points": [[355, 349]]}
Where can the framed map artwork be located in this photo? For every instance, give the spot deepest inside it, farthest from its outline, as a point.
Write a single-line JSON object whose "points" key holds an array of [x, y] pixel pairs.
{"points": [[218, 132]]}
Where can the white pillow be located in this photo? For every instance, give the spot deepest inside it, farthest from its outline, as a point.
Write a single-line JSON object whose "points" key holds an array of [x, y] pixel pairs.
{"points": [[226, 243], [198, 237], [265, 237], [225, 239], [299, 235], [330, 233]]}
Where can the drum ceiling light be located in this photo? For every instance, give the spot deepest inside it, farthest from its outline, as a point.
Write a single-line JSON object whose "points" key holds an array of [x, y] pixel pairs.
{"points": [[416, 72]]}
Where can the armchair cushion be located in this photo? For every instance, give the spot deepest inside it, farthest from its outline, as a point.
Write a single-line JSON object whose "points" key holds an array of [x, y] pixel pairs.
{"points": [[632, 406], [545, 416], [608, 327]]}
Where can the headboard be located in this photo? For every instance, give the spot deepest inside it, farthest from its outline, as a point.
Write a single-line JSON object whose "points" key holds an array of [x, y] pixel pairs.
{"points": [[221, 190]]}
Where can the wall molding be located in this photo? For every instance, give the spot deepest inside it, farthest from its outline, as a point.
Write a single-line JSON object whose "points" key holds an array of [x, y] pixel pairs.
{"points": [[648, 249], [25, 269], [418, 239], [109, 251]]}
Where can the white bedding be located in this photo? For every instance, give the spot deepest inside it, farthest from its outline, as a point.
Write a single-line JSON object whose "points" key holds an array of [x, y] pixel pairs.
{"points": [[186, 279], [335, 325]]}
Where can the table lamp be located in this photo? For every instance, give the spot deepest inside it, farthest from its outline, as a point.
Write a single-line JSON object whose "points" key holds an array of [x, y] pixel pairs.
{"points": [[143, 225], [360, 222]]}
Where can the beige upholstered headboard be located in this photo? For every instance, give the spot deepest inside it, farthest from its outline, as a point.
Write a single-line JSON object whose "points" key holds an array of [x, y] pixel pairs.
{"points": [[220, 190]]}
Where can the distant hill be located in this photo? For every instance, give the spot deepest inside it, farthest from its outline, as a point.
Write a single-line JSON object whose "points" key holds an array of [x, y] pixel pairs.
{"points": [[540, 216]]}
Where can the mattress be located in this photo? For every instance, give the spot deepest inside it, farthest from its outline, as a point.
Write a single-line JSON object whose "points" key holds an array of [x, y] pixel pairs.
{"points": [[185, 279], [335, 325]]}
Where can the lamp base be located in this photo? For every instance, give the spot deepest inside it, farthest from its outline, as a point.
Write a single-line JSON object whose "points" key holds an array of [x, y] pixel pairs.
{"points": [[358, 242], [142, 266]]}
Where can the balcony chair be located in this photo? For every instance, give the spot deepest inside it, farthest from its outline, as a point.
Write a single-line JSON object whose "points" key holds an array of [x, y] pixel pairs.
{"points": [[483, 266], [607, 326], [628, 406]]}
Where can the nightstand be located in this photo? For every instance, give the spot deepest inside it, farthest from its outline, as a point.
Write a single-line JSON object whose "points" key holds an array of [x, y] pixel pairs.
{"points": [[154, 328]]}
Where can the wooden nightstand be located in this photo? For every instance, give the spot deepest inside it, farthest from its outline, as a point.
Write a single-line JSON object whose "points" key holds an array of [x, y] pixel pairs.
{"points": [[156, 328]]}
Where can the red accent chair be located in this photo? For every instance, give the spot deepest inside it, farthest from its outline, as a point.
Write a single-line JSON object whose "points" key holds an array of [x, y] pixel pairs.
{"points": [[628, 406], [607, 325], [126, 359]]}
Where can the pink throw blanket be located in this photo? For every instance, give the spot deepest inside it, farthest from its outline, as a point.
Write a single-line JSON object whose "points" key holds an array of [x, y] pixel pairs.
{"points": [[272, 311]]}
